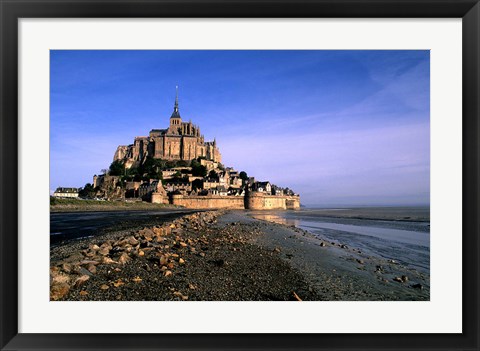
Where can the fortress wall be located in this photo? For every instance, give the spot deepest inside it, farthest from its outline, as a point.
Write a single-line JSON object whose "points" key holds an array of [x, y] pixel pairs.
{"points": [[159, 199], [232, 202], [261, 201], [293, 202]]}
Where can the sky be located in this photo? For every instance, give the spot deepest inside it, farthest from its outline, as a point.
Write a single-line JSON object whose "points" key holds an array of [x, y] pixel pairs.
{"points": [[341, 128]]}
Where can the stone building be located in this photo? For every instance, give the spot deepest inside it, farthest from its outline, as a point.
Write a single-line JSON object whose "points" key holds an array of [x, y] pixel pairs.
{"points": [[66, 192], [180, 141]]}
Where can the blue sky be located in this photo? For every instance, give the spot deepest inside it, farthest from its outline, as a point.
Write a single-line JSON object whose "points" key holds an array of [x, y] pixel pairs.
{"points": [[338, 127]]}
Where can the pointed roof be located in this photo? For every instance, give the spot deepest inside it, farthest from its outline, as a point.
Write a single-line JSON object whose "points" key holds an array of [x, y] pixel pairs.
{"points": [[175, 113]]}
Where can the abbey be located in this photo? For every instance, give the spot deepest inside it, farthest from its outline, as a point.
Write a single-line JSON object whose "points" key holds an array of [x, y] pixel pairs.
{"points": [[180, 141]]}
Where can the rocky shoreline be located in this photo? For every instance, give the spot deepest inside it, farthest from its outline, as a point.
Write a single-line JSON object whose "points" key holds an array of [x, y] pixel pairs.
{"points": [[223, 256]]}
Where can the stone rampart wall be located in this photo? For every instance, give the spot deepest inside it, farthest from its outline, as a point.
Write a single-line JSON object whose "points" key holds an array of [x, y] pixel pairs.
{"points": [[233, 202], [159, 198], [262, 201], [253, 201]]}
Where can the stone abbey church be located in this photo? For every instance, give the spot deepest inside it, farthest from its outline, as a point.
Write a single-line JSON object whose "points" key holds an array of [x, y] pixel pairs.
{"points": [[180, 141]]}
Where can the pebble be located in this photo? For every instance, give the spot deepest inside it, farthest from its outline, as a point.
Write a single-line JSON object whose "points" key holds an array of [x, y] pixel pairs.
{"points": [[137, 279]]}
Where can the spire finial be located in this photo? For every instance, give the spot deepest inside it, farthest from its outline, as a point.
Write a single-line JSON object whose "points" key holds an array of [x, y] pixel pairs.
{"points": [[175, 113], [176, 98]]}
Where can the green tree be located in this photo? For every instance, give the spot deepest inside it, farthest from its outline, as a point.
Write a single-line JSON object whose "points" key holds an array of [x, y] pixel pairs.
{"points": [[117, 168], [151, 169], [243, 175], [87, 192], [199, 171], [213, 174], [197, 184]]}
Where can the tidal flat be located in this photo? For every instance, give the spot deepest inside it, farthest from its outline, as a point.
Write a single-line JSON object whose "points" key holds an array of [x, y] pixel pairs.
{"points": [[226, 256]]}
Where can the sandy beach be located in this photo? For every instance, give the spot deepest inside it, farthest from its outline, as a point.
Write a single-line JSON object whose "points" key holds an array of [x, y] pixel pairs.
{"points": [[225, 256]]}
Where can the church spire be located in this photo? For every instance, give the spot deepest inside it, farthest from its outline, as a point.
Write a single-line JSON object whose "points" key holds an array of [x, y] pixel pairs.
{"points": [[175, 113], [176, 97]]}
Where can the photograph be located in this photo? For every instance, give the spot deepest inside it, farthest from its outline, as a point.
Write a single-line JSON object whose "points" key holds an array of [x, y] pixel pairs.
{"points": [[239, 175]]}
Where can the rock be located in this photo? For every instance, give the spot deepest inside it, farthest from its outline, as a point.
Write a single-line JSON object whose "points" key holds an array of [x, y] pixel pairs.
{"points": [[179, 294], [398, 279], [118, 283], [360, 261], [87, 262], [84, 271], [67, 267], [104, 287], [94, 247], [137, 279], [108, 260], [181, 261], [83, 293], [322, 244], [104, 251], [276, 249], [404, 278], [92, 268], [74, 258], [58, 291], [141, 253], [417, 286], [148, 233], [163, 260], [202, 254], [182, 244], [60, 279], [81, 280], [132, 241], [124, 258], [167, 273], [343, 246]]}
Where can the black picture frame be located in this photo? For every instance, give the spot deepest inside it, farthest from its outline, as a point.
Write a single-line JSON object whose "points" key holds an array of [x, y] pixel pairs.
{"points": [[11, 11]]}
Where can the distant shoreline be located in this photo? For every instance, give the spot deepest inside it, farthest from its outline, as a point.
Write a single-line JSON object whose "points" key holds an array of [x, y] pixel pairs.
{"points": [[387, 213]]}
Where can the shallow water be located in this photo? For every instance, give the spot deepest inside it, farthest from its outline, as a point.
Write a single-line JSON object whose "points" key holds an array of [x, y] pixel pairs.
{"points": [[407, 242]]}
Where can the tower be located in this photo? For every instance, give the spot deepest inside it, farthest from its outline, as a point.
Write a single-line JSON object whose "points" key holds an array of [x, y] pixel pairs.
{"points": [[175, 119]]}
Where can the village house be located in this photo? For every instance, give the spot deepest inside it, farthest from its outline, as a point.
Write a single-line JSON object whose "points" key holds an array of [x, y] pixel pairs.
{"points": [[66, 192], [262, 187]]}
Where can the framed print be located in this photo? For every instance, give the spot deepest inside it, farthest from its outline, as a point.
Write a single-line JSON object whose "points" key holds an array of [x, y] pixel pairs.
{"points": [[239, 175]]}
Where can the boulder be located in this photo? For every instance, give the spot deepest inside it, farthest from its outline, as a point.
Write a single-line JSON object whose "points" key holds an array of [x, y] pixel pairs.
{"points": [[58, 291]]}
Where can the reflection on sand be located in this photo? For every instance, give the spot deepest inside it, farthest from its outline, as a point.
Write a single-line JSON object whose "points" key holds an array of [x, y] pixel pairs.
{"points": [[276, 219]]}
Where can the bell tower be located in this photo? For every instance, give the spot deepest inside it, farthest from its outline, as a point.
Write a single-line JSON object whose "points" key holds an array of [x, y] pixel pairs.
{"points": [[175, 119]]}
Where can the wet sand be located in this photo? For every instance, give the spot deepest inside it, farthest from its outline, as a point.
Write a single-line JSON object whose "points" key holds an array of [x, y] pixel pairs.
{"points": [[226, 256]]}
